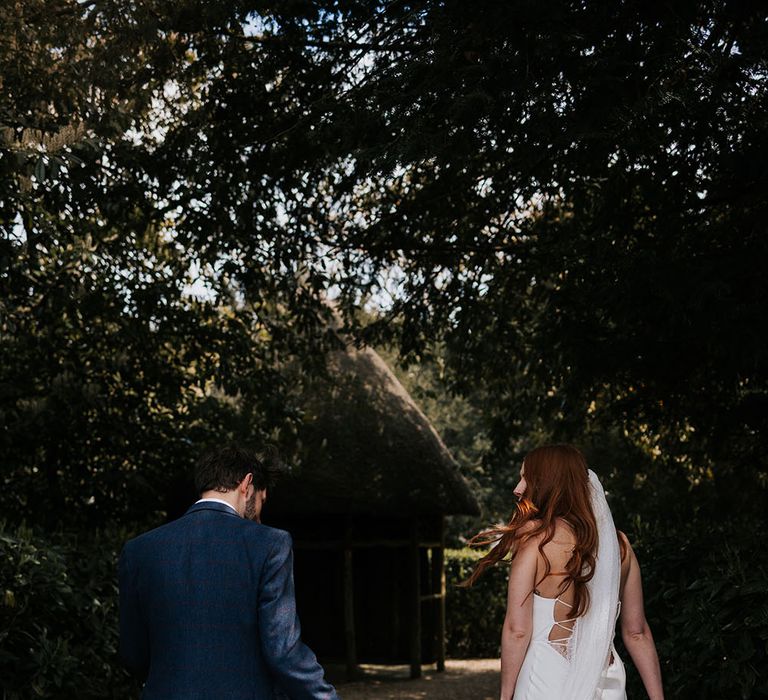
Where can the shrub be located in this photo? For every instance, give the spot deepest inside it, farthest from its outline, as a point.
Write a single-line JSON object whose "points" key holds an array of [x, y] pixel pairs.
{"points": [[473, 615], [58, 616], [707, 605]]}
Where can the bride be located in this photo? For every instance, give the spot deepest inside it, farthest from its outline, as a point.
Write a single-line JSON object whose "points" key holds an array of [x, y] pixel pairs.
{"points": [[572, 576]]}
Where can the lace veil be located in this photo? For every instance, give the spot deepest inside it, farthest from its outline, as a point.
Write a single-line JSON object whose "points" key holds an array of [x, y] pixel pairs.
{"points": [[593, 634]]}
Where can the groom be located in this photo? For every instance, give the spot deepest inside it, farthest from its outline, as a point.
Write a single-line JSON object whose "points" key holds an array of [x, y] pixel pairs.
{"points": [[207, 607]]}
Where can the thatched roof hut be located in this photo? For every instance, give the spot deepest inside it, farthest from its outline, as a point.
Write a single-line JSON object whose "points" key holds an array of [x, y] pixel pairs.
{"points": [[366, 509], [368, 448]]}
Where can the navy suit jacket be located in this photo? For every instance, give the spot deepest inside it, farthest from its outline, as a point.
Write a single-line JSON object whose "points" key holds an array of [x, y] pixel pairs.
{"points": [[207, 611]]}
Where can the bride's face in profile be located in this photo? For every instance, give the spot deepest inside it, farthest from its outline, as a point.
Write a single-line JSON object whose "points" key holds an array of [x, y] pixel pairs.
{"points": [[521, 485]]}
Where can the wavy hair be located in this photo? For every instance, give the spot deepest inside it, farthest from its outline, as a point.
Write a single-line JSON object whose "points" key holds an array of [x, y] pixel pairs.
{"points": [[557, 486]]}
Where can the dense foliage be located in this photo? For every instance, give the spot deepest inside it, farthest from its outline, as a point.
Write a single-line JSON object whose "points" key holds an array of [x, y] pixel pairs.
{"points": [[707, 609], [555, 209], [122, 351], [570, 195], [58, 616]]}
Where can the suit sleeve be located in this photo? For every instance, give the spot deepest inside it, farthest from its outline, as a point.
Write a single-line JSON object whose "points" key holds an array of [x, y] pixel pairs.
{"points": [[293, 664], [134, 637]]}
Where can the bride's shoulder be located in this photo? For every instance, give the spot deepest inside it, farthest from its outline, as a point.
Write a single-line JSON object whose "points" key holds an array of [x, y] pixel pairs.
{"points": [[563, 530], [528, 537], [531, 530], [529, 526], [625, 550], [624, 543]]}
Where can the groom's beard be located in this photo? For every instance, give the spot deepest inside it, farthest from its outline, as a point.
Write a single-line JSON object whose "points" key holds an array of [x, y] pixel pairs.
{"points": [[250, 509]]}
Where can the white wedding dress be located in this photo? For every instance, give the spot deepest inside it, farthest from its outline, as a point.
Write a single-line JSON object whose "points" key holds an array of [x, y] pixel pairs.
{"points": [[579, 662], [544, 673]]}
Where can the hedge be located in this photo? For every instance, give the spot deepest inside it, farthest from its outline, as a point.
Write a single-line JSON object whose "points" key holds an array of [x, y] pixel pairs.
{"points": [[473, 615], [58, 616]]}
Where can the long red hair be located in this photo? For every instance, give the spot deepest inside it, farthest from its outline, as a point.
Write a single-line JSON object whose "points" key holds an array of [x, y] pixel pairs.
{"points": [[557, 486]]}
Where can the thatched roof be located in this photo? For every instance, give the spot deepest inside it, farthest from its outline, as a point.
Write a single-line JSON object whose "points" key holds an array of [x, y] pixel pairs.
{"points": [[368, 448]]}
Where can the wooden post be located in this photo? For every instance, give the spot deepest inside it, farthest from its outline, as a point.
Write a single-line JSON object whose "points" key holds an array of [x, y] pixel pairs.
{"points": [[414, 557], [438, 587], [396, 582], [350, 642]]}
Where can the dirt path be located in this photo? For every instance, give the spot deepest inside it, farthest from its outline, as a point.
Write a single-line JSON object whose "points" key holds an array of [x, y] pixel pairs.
{"points": [[463, 679]]}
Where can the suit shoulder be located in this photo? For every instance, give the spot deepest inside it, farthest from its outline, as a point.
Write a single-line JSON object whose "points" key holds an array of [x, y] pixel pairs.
{"points": [[270, 541], [276, 536], [275, 533]]}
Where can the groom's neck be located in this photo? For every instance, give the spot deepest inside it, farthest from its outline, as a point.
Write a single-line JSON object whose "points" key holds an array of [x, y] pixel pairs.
{"points": [[226, 496]]}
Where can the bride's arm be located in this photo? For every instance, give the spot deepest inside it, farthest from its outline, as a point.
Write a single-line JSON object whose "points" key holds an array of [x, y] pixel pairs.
{"points": [[518, 622], [636, 633]]}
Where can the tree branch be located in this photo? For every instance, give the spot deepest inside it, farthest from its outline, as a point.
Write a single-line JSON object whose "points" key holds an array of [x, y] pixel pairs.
{"points": [[333, 44]]}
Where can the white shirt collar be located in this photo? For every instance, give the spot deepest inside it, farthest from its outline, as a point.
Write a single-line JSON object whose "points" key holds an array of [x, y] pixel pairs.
{"points": [[217, 500]]}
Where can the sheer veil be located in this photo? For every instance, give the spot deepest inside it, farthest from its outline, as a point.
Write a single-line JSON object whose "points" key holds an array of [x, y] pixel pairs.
{"points": [[594, 631]]}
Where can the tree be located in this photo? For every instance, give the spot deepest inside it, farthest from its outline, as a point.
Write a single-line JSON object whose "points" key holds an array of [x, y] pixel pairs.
{"points": [[566, 198], [558, 186], [123, 352], [570, 194]]}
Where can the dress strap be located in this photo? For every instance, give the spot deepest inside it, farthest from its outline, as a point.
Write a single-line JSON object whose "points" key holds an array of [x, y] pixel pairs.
{"points": [[560, 623]]}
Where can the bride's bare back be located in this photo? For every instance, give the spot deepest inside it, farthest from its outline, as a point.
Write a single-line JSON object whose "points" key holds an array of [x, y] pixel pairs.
{"points": [[558, 552]]}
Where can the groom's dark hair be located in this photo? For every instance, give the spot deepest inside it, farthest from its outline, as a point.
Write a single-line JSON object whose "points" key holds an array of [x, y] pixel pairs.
{"points": [[223, 468]]}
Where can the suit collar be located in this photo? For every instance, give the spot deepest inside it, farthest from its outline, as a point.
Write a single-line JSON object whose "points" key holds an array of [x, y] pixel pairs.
{"points": [[212, 505]]}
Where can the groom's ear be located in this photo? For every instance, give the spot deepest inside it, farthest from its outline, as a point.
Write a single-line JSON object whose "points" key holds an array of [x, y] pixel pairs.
{"points": [[246, 482]]}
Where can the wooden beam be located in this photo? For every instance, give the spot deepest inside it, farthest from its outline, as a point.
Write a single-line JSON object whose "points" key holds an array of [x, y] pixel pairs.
{"points": [[396, 584], [414, 557], [438, 568]]}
